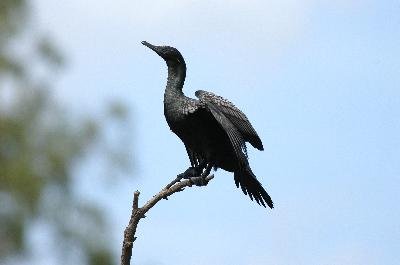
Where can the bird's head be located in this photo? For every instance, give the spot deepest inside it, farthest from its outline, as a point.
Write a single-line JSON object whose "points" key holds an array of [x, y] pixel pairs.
{"points": [[170, 54]]}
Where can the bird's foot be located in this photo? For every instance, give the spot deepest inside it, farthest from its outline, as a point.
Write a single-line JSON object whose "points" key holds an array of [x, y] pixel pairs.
{"points": [[202, 179], [191, 172], [199, 181]]}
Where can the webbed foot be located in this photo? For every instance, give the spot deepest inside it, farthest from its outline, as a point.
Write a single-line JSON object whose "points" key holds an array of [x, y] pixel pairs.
{"points": [[191, 172]]}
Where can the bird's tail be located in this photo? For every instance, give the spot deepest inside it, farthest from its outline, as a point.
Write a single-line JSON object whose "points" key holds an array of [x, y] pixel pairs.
{"points": [[246, 179]]}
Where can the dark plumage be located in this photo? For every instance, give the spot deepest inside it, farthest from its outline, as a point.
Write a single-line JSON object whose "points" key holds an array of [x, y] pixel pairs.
{"points": [[213, 130]]}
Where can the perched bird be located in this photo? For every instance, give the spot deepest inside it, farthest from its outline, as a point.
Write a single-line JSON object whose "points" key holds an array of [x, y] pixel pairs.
{"points": [[213, 130]]}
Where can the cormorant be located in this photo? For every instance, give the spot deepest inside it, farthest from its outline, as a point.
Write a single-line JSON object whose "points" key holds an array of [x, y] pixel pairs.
{"points": [[213, 130]]}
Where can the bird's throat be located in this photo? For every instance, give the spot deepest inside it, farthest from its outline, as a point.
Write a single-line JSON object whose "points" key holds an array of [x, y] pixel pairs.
{"points": [[176, 78]]}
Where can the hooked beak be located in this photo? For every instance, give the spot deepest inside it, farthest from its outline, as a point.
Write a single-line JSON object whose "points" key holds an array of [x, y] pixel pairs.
{"points": [[151, 46]]}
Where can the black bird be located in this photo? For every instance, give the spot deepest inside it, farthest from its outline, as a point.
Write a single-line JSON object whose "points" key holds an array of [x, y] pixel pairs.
{"points": [[213, 130]]}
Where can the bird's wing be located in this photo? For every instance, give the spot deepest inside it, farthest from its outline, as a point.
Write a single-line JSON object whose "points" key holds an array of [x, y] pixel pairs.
{"points": [[209, 109], [235, 137], [235, 116]]}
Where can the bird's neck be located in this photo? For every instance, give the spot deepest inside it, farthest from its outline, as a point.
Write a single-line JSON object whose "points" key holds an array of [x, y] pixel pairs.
{"points": [[176, 79]]}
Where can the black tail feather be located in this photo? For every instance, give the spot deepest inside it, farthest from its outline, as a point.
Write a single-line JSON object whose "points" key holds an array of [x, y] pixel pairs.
{"points": [[247, 181]]}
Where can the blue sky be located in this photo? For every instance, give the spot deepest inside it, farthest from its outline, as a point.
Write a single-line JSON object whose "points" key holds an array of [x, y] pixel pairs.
{"points": [[320, 82]]}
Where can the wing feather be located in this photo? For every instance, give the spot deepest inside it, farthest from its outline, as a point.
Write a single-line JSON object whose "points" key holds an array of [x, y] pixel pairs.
{"points": [[236, 116], [234, 135]]}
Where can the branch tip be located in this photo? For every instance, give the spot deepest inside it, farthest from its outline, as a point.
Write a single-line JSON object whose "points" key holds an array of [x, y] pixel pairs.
{"points": [[136, 200], [177, 185]]}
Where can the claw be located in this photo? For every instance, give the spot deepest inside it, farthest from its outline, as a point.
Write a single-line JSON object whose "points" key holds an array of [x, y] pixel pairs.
{"points": [[199, 181], [190, 173]]}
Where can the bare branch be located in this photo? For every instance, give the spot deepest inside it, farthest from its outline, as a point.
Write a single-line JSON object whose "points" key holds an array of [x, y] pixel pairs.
{"points": [[177, 185]]}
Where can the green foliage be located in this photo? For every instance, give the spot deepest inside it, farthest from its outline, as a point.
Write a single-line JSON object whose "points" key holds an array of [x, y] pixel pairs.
{"points": [[40, 145]]}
